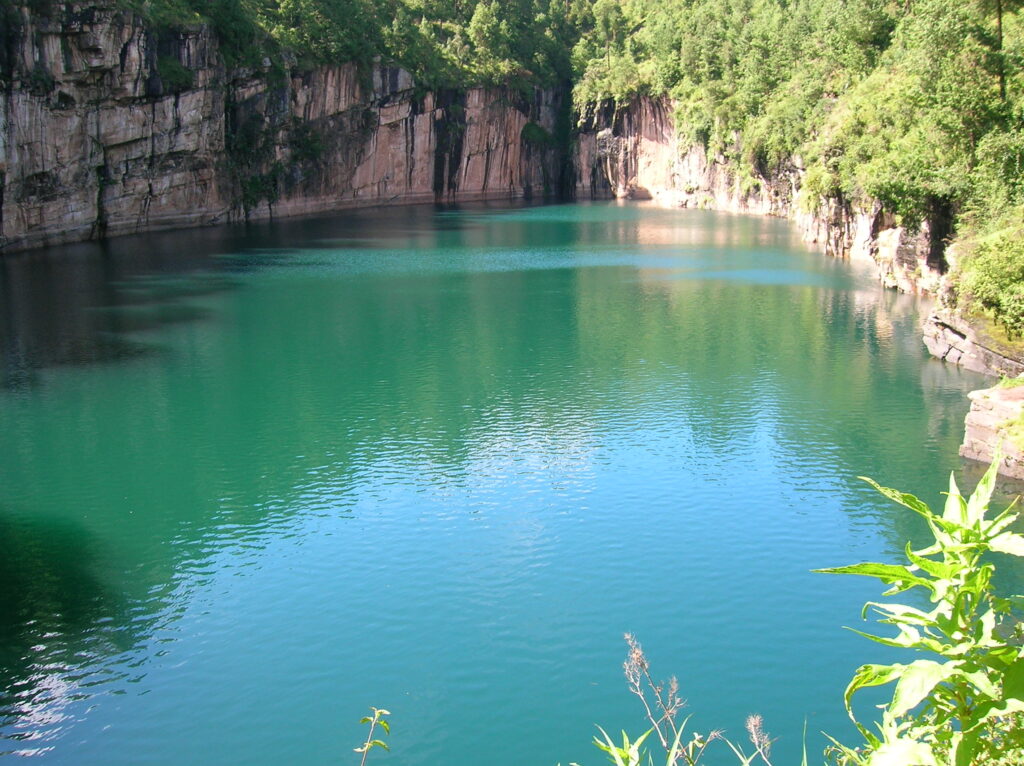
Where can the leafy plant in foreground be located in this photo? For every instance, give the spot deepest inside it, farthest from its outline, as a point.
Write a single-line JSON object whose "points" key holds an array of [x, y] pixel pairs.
{"points": [[662, 705], [377, 719], [964, 703]]}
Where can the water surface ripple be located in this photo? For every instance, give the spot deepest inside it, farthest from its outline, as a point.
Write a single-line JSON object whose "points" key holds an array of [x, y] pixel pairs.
{"points": [[255, 481]]}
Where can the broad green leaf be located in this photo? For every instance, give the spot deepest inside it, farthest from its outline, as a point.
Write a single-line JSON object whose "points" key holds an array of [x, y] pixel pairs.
{"points": [[965, 745], [956, 507], [640, 739], [917, 680], [998, 710], [628, 754], [1013, 681], [902, 613], [378, 743], [611, 748], [870, 675], [903, 752], [934, 568], [887, 573], [981, 682], [978, 502], [903, 498], [385, 725], [1008, 542], [987, 623], [1002, 521], [877, 639]]}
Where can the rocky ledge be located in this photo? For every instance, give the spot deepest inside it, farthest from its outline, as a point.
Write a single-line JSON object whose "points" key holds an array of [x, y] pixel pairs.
{"points": [[990, 428], [952, 339]]}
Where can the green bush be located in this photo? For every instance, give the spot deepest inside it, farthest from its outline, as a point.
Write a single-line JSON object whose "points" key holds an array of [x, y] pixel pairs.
{"points": [[536, 135], [174, 76], [991, 278]]}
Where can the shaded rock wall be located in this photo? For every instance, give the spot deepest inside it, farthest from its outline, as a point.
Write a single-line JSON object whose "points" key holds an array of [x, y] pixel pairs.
{"points": [[108, 127]]}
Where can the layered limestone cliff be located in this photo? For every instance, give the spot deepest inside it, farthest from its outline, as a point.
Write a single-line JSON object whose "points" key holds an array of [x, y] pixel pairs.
{"points": [[636, 153], [993, 427], [109, 127]]}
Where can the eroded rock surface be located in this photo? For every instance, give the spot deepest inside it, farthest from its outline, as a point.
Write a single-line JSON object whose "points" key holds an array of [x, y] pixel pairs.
{"points": [[952, 339], [108, 127], [994, 416]]}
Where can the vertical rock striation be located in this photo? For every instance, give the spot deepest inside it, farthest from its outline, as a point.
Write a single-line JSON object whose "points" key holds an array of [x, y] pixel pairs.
{"points": [[108, 127]]}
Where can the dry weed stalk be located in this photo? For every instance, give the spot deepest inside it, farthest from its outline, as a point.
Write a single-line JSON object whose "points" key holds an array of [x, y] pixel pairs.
{"points": [[662, 704]]}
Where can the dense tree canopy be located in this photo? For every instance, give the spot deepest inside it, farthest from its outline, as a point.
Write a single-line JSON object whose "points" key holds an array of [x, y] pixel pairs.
{"points": [[444, 43]]}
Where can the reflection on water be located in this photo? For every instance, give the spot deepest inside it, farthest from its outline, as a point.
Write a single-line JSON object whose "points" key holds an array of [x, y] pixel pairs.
{"points": [[255, 480]]}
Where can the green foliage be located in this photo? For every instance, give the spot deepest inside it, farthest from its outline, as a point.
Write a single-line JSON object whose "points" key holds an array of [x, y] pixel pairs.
{"points": [[536, 135], [913, 104], [243, 42], [250, 151], [662, 704], [305, 141], [628, 754], [328, 32], [963, 703], [378, 719], [442, 43], [175, 77], [1005, 382], [991, 276]]}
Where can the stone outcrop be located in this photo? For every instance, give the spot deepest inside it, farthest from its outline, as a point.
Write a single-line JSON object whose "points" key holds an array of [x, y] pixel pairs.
{"points": [[108, 127], [636, 153], [951, 338], [994, 416]]}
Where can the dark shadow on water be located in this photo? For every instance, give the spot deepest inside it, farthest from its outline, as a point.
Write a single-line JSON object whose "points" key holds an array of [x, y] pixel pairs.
{"points": [[75, 306], [142, 317], [56, 614], [81, 304]]}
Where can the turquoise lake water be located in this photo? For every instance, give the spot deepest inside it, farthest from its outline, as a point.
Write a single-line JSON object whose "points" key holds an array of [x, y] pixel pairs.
{"points": [[255, 480]]}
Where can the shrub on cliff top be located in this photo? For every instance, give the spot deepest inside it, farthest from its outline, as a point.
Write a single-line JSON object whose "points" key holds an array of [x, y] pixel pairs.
{"points": [[990, 278]]}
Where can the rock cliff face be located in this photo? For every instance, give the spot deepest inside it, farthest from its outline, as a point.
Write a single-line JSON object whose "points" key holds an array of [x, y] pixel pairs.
{"points": [[108, 127], [950, 338], [990, 427], [636, 153]]}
